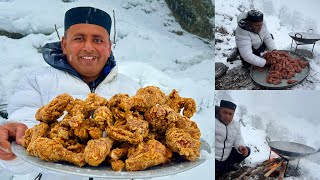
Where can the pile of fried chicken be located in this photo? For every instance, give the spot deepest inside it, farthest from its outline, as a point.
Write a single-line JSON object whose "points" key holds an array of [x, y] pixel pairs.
{"points": [[134, 133]]}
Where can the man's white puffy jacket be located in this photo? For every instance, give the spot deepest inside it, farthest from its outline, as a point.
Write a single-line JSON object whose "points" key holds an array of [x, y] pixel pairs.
{"points": [[40, 87], [226, 137], [245, 40]]}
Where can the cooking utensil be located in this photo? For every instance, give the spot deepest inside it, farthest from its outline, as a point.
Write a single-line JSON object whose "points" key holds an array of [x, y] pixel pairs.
{"points": [[105, 171], [260, 77]]}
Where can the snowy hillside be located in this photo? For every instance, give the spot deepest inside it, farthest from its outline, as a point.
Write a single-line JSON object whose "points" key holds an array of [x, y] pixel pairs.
{"points": [[147, 48], [226, 23]]}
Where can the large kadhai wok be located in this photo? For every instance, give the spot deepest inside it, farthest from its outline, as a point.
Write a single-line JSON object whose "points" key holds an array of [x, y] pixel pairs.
{"points": [[260, 77], [291, 150]]}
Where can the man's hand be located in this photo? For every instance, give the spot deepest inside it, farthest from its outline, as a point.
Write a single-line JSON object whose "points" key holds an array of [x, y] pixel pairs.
{"points": [[8, 133], [243, 150]]}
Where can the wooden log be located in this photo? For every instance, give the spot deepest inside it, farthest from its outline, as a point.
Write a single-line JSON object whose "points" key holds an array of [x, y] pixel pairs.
{"points": [[273, 169], [282, 171]]}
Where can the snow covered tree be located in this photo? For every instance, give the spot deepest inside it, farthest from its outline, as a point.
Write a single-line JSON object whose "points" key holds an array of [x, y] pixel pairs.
{"points": [[310, 23], [284, 16], [299, 138], [256, 122], [242, 112], [295, 20], [283, 11], [268, 7]]}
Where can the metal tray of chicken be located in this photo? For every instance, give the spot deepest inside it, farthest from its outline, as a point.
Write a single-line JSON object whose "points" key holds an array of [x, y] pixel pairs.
{"points": [[105, 171], [260, 77]]}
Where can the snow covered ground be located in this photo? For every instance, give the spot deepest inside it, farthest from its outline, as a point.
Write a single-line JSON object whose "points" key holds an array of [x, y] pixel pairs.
{"points": [[226, 17], [147, 50]]}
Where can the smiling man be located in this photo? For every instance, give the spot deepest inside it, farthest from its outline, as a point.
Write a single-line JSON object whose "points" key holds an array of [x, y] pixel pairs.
{"points": [[81, 63], [229, 145]]}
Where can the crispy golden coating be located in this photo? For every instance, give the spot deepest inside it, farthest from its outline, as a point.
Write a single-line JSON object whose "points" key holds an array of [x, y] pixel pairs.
{"points": [[50, 150], [26, 139], [176, 102], [52, 111], [40, 130], [119, 105], [97, 150], [95, 132], [119, 152], [133, 131], [147, 97], [102, 117], [123, 135], [181, 142], [94, 101], [76, 107], [193, 130], [117, 165], [146, 155], [142, 130], [76, 148]]}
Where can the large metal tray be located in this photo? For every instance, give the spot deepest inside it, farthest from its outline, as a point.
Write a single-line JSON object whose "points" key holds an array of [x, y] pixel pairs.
{"points": [[260, 77], [105, 171]]}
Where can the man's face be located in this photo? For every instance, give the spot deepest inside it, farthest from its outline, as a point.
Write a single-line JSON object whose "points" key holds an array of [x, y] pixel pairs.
{"points": [[226, 115], [256, 26], [87, 48]]}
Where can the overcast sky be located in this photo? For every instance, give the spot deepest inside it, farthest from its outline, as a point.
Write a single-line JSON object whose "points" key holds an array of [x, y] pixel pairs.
{"points": [[296, 110], [310, 8]]}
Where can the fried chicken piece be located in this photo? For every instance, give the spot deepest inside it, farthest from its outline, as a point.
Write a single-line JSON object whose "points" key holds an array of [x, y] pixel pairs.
{"points": [[121, 134], [97, 150], [119, 152], [76, 148], [181, 142], [133, 131], [186, 124], [146, 155], [95, 132], [40, 130], [76, 107], [176, 102], [51, 150], [102, 117], [159, 117], [137, 124], [119, 105], [52, 111], [147, 97], [94, 101], [189, 107], [76, 121], [193, 130], [26, 139], [117, 165]]}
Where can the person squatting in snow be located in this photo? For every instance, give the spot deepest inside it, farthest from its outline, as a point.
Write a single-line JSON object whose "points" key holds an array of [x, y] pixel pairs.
{"points": [[253, 38], [81, 63], [230, 150]]}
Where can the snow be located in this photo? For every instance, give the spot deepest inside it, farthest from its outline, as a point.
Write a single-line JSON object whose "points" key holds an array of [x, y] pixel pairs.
{"points": [[146, 50], [292, 115], [226, 17]]}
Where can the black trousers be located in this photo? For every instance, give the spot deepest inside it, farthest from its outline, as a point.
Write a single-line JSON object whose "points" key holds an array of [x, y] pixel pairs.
{"points": [[222, 167]]}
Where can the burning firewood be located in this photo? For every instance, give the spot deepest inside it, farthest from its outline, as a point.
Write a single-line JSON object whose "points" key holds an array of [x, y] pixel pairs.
{"points": [[269, 169], [274, 167]]}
